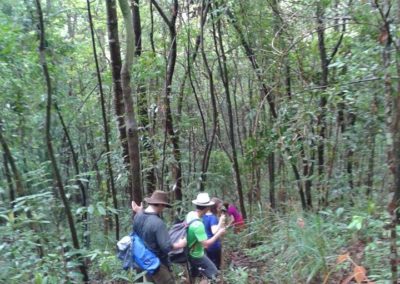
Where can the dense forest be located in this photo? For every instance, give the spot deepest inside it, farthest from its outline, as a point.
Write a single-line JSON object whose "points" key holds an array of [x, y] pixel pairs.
{"points": [[289, 109]]}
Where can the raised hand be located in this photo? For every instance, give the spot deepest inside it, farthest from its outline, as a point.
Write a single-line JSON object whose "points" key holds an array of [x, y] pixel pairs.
{"points": [[136, 208]]}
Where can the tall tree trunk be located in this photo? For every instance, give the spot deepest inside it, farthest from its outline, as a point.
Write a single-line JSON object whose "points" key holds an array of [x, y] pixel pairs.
{"points": [[265, 90], [169, 124], [371, 142], [130, 120], [105, 124], [56, 172], [116, 63], [19, 188], [393, 124], [223, 69], [192, 55], [9, 181], [271, 172], [143, 117], [209, 142], [321, 122], [308, 169], [325, 60], [347, 118], [81, 186], [396, 123], [299, 185]]}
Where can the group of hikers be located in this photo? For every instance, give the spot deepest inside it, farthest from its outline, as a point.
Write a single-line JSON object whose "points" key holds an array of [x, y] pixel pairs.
{"points": [[206, 225]]}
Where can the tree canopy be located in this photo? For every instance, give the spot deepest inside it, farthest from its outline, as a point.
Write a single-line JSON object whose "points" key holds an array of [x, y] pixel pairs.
{"points": [[288, 109]]}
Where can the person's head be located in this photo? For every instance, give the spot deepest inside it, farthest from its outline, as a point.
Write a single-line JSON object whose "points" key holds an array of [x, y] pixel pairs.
{"points": [[226, 205], [217, 207], [158, 201], [203, 203]]}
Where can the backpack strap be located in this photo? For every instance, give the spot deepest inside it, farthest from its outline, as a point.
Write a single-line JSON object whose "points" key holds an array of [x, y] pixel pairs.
{"points": [[140, 224]]}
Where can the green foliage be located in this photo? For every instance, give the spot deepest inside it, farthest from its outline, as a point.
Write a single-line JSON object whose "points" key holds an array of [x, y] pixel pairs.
{"points": [[304, 248], [238, 275], [34, 236]]}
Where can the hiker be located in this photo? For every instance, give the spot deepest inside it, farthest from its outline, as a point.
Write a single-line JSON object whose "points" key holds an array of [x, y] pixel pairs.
{"points": [[234, 217], [197, 240], [213, 220], [149, 226]]}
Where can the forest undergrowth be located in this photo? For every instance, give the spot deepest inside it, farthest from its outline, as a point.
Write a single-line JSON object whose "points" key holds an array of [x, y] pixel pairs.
{"points": [[341, 245]]}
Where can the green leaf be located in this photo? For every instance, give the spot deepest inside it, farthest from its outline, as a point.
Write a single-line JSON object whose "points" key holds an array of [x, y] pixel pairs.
{"points": [[339, 211], [38, 278], [356, 223], [101, 209]]}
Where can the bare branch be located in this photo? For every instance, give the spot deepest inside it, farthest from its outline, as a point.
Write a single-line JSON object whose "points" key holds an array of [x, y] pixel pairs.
{"points": [[162, 14]]}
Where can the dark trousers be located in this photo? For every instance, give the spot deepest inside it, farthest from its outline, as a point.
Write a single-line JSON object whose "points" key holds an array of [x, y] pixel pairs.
{"points": [[203, 266], [215, 256]]}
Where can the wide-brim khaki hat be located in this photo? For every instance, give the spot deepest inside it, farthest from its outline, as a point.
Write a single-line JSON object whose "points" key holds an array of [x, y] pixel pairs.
{"points": [[158, 197]]}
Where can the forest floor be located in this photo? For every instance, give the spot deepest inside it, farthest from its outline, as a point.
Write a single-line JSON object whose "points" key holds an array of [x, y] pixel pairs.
{"points": [[237, 259]]}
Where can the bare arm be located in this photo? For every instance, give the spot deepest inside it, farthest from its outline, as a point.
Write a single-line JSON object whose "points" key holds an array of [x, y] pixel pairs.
{"points": [[231, 219], [221, 224], [179, 244], [213, 239]]}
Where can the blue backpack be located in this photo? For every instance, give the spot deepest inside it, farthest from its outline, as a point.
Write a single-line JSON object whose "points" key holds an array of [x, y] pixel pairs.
{"points": [[137, 255]]}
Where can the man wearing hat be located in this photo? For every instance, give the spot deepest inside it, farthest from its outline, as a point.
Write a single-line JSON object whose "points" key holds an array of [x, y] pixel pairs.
{"points": [[149, 226], [197, 238]]}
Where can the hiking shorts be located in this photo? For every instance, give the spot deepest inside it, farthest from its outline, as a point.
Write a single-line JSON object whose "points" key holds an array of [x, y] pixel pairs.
{"points": [[203, 266]]}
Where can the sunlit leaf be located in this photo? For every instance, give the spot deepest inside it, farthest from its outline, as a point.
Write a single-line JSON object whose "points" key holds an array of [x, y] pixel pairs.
{"points": [[359, 273], [341, 258]]}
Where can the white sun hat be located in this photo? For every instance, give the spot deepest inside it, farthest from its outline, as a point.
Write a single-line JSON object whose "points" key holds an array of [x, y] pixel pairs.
{"points": [[203, 199]]}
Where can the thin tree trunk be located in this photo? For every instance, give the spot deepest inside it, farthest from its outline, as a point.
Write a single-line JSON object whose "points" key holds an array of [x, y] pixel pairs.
{"points": [[191, 59], [321, 122], [220, 51], [396, 126], [86, 236], [350, 157], [105, 125], [56, 172], [143, 117], [393, 124], [9, 181], [371, 143], [169, 125], [325, 60], [130, 120], [300, 186], [19, 188], [271, 174], [343, 120], [209, 142], [308, 169], [265, 90], [116, 63]]}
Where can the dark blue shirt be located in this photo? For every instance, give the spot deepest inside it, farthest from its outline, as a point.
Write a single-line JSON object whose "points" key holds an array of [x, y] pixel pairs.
{"points": [[209, 221]]}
